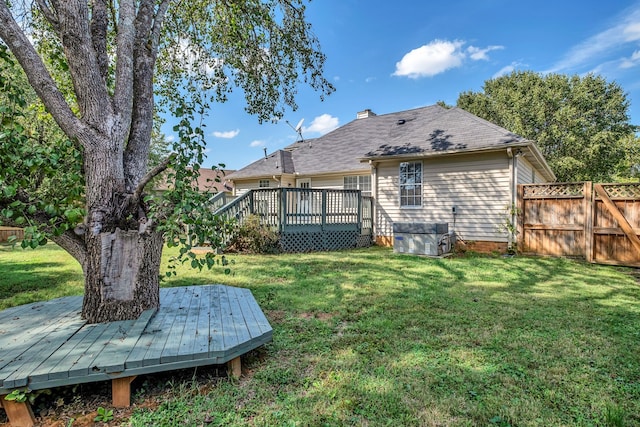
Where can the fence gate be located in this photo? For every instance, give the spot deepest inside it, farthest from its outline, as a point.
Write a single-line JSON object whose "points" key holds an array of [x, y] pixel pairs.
{"points": [[600, 222]]}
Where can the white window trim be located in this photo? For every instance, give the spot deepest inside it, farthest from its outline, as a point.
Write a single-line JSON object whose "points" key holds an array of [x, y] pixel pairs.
{"points": [[421, 205]]}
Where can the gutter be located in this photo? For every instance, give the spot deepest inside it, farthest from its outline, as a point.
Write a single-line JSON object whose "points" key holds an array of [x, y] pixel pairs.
{"points": [[531, 145]]}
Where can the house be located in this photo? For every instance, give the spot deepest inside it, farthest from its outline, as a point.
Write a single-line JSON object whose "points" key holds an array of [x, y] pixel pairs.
{"points": [[212, 180], [425, 165]]}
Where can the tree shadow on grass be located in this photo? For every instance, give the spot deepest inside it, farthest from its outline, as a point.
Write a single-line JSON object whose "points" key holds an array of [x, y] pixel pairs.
{"points": [[26, 283]]}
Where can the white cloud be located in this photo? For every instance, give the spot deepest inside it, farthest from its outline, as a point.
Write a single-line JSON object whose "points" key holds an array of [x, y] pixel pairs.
{"points": [[369, 79], [170, 138], [257, 143], [507, 69], [227, 134], [322, 124], [632, 61], [438, 57], [632, 32], [597, 48], [478, 54], [431, 59]]}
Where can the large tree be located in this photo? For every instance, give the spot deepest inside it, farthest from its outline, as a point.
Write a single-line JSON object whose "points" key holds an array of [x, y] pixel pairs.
{"points": [[98, 67], [580, 123]]}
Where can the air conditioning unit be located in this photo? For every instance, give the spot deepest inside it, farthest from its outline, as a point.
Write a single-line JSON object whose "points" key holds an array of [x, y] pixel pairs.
{"points": [[421, 238]]}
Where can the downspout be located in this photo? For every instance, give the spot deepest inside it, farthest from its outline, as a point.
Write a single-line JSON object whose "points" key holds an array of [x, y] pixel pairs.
{"points": [[511, 214]]}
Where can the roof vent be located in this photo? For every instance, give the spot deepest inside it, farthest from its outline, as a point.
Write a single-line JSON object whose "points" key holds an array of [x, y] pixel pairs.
{"points": [[401, 122], [365, 114]]}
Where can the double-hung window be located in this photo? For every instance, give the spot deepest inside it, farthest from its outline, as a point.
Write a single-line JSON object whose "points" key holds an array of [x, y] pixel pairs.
{"points": [[362, 183], [411, 184]]}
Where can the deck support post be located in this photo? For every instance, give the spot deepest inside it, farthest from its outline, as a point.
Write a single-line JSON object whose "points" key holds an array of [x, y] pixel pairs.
{"points": [[121, 391], [20, 414], [234, 368]]}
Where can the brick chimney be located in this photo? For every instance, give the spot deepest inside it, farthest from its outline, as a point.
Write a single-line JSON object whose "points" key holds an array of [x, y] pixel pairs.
{"points": [[365, 114]]}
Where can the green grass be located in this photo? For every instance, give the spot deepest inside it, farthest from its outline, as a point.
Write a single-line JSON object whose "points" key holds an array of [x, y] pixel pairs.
{"points": [[369, 337]]}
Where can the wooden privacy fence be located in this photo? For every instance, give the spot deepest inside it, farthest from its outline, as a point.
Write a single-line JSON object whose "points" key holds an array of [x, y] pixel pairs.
{"points": [[600, 222], [6, 232]]}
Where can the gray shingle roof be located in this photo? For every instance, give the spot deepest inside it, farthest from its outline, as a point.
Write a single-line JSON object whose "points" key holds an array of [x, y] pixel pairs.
{"points": [[417, 132], [277, 163]]}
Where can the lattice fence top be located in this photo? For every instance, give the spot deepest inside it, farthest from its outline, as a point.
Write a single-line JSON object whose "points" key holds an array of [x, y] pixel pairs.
{"points": [[554, 190], [623, 191]]}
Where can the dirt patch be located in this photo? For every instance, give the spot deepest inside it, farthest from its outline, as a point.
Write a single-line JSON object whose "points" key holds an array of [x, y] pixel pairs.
{"points": [[275, 316], [325, 317]]}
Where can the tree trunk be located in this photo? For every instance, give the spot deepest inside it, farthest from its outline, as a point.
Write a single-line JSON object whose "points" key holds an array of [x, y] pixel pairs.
{"points": [[122, 275]]}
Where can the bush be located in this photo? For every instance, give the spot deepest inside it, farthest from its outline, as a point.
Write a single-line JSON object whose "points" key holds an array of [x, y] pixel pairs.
{"points": [[253, 237]]}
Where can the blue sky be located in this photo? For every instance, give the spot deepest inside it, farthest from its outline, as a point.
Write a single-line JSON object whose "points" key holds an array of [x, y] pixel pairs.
{"points": [[392, 56]]}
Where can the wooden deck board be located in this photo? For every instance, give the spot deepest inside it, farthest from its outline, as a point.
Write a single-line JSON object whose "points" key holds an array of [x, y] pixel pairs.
{"points": [[39, 344], [161, 334], [228, 331], [22, 332], [194, 326], [192, 335], [177, 330], [138, 353]]}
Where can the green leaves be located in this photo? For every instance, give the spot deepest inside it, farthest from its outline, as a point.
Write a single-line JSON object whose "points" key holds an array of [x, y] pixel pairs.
{"points": [[580, 123], [41, 182]]}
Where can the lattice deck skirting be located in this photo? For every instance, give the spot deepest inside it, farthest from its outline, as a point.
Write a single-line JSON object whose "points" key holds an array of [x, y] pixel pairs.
{"points": [[310, 241]]}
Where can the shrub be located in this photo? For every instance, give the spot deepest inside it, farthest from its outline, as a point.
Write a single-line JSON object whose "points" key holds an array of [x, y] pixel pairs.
{"points": [[253, 237]]}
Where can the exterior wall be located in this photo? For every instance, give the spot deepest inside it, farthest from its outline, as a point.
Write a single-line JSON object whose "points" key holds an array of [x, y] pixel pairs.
{"points": [[241, 187], [331, 182], [525, 172], [326, 182], [477, 185]]}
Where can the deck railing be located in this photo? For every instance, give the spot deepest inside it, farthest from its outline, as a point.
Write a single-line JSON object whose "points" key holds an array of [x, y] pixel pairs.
{"points": [[301, 210]]}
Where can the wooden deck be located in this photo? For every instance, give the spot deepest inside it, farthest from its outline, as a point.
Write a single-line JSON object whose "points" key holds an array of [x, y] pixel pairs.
{"points": [[45, 345]]}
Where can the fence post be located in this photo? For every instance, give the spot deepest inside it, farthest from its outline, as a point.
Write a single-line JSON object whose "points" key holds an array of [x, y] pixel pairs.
{"points": [[520, 218], [283, 209], [589, 206], [359, 196], [324, 209]]}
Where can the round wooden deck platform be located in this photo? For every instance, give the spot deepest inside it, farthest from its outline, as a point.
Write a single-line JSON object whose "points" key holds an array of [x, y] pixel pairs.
{"points": [[45, 345]]}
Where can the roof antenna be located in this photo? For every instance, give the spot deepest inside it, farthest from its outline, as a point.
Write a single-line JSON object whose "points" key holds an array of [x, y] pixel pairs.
{"points": [[297, 129]]}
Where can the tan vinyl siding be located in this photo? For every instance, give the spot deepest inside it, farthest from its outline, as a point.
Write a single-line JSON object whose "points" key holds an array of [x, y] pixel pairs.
{"points": [[326, 182], [477, 185], [241, 187], [525, 171]]}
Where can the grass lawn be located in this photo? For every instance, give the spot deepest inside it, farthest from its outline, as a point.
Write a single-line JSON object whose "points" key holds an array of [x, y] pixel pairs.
{"points": [[371, 338]]}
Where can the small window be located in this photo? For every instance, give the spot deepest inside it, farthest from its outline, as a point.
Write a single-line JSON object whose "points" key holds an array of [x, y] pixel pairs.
{"points": [[264, 183], [410, 184], [362, 183]]}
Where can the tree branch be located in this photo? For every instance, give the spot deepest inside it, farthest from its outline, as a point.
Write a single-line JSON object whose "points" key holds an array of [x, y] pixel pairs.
{"points": [[68, 240], [40, 79], [123, 93], [91, 92], [48, 14], [137, 151], [99, 27], [157, 24], [150, 175]]}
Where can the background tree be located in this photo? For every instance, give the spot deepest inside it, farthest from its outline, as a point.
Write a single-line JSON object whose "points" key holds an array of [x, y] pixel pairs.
{"points": [[580, 123], [95, 67]]}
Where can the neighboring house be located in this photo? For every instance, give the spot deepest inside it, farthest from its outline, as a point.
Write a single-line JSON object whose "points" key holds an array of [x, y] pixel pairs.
{"points": [[212, 180], [427, 165]]}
